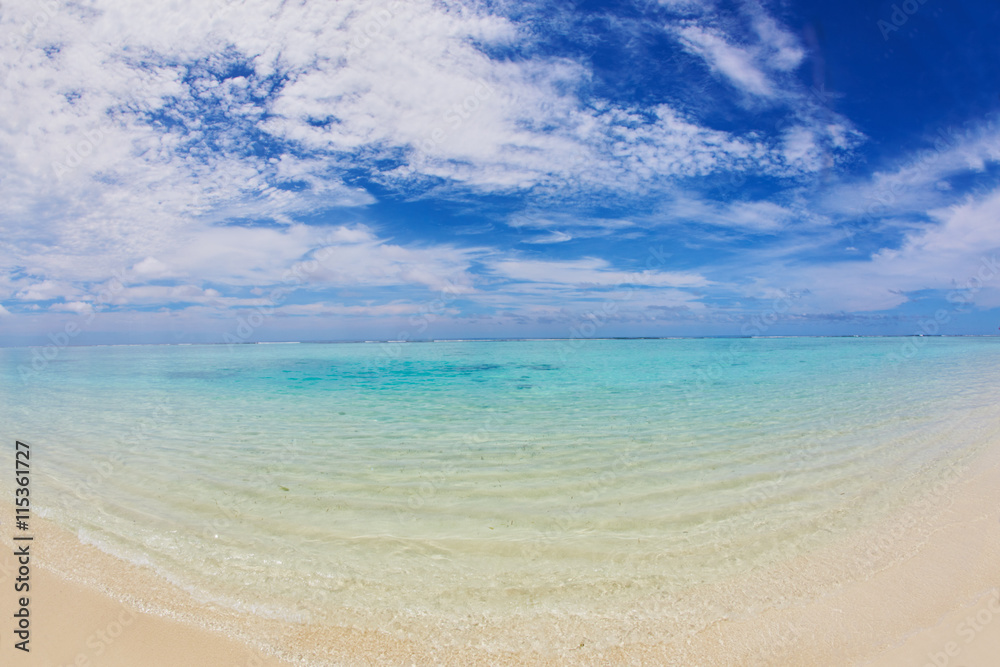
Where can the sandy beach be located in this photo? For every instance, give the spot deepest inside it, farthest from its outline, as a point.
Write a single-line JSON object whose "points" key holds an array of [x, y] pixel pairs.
{"points": [[73, 624], [939, 605]]}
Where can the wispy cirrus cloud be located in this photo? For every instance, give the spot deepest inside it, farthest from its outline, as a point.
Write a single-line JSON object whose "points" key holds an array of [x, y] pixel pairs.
{"points": [[955, 251], [763, 217], [750, 49], [590, 271], [735, 63]]}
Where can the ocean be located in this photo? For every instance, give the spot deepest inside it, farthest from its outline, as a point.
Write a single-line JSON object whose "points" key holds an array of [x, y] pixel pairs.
{"points": [[512, 495]]}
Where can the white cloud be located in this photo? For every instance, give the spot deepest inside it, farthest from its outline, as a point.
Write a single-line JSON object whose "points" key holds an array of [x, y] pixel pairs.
{"points": [[376, 263], [163, 294], [755, 54], [562, 227], [757, 216], [958, 252], [921, 180], [736, 64], [46, 290], [237, 255], [590, 272], [380, 310], [551, 237], [548, 220], [784, 52], [801, 147], [751, 50], [299, 256], [79, 307], [151, 268], [947, 254], [564, 303]]}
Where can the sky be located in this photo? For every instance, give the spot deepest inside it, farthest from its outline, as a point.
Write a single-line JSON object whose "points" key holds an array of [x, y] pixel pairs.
{"points": [[226, 171]]}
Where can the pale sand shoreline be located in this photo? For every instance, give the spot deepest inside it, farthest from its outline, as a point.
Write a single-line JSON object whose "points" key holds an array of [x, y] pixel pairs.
{"points": [[940, 602]]}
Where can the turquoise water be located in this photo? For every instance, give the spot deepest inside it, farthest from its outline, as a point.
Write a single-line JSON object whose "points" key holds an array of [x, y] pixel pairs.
{"points": [[379, 484]]}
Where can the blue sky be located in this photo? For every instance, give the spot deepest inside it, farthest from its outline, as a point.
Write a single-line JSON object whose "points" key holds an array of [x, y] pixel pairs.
{"points": [[219, 171]]}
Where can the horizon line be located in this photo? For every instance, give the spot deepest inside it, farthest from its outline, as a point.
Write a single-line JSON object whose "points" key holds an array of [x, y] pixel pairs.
{"points": [[500, 340]]}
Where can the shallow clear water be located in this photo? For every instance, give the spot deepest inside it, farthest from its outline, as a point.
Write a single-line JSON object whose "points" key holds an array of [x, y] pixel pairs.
{"points": [[499, 480]]}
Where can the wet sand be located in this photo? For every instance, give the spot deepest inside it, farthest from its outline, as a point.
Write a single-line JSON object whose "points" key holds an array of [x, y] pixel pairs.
{"points": [[937, 605]]}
